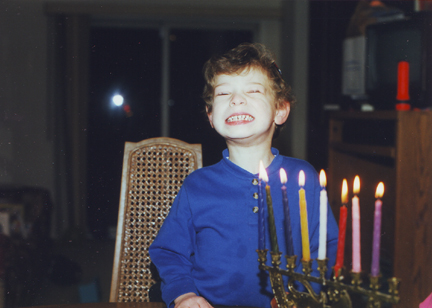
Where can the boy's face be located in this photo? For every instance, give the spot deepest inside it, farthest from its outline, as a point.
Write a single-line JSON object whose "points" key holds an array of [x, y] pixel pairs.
{"points": [[244, 107]]}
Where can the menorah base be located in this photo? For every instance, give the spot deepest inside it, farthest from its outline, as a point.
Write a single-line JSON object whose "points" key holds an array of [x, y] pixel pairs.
{"points": [[294, 298], [337, 294]]}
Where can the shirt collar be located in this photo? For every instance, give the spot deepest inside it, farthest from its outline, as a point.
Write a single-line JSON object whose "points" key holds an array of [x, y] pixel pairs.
{"points": [[272, 170]]}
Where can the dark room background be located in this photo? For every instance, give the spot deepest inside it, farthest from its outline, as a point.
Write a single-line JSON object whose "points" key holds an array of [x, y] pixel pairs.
{"points": [[128, 62]]}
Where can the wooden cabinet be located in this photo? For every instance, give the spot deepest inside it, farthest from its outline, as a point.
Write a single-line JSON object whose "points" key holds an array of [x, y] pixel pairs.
{"points": [[394, 147]]}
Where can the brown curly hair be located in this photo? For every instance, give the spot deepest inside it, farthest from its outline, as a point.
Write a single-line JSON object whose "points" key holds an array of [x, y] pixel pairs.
{"points": [[244, 57]]}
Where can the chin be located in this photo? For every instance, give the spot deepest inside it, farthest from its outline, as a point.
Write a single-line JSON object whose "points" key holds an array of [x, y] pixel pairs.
{"points": [[238, 137]]}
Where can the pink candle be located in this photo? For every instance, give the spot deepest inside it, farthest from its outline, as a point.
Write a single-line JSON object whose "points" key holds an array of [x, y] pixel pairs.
{"points": [[377, 230], [356, 257]]}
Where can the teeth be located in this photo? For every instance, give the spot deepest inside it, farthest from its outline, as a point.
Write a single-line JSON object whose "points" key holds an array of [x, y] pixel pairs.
{"points": [[242, 117]]}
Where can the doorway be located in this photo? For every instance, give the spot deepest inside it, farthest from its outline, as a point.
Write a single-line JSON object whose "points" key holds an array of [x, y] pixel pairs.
{"points": [[131, 62]]}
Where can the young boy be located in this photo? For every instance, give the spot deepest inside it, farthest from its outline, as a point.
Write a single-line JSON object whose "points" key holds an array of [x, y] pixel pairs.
{"points": [[206, 250]]}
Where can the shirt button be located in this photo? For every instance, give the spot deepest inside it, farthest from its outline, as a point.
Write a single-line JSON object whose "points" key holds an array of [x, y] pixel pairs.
{"points": [[255, 195], [255, 209], [255, 181]]}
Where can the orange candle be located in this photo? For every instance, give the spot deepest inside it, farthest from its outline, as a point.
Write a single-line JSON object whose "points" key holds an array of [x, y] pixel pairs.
{"points": [[303, 218]]}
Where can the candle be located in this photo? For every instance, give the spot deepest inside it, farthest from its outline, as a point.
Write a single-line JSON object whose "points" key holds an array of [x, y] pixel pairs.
{"points": [[342, 228], [272, 224], [288, 231], [402, 96], [403, 81], [356, 267], [261, 215], [377, 230], [323, 217], [303, 218]]}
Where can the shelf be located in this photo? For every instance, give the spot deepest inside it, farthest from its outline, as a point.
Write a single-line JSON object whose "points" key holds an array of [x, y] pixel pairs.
{"points": [[369, 150], [375, 115]]}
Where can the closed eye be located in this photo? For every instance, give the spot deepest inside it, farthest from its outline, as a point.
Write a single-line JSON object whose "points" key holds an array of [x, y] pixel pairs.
{"points": [[222, 93], [254, 91]]}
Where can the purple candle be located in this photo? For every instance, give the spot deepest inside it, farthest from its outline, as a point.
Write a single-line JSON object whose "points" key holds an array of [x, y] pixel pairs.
{"points": [[261, 215], [377, 230], [288, 231]]}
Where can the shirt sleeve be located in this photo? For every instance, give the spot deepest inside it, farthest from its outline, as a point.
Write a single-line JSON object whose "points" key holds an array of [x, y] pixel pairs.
{"points": [[172, 250]]}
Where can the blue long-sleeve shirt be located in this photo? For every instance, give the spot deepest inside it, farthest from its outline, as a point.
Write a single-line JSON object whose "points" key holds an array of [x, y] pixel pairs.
{"points": [[208, 242]]}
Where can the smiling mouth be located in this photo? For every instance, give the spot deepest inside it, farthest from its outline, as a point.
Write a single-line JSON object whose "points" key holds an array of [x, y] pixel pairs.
{"points": [[240, 118]]}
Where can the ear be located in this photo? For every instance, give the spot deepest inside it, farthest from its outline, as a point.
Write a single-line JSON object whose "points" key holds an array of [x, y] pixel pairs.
{"points": [[282, 114], [210, 117]]}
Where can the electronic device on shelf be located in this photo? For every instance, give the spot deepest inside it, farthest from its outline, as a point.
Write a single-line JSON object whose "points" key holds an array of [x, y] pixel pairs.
{"points": [[389, 43]]}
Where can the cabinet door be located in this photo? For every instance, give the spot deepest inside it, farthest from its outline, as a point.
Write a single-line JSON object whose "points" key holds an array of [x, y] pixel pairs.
{"points": [[365, 147], [395, 148]]}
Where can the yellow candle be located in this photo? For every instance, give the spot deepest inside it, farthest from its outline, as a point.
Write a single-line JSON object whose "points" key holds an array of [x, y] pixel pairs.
{"points": [[303, 218]]}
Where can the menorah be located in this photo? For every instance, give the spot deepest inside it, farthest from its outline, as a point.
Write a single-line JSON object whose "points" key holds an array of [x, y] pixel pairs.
{"points": [[337, 292]]}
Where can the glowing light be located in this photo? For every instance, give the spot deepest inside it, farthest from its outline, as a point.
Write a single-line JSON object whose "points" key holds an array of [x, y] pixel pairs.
{"points": [[262, 173], [356, 189], [380, 190], [302, 179], [283, 176], [118, 100], [322, 178], [344, 191]]}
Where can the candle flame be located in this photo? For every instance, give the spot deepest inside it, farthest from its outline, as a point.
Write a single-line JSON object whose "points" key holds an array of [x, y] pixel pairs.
{"points": [[283, 176], [322, 178], [380, 190], [301, 178], [356, 189], [262, 173], [344, 191]]}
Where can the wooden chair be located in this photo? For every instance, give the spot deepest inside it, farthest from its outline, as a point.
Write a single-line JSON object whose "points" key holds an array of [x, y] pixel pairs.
{"points": [[153, 172]]}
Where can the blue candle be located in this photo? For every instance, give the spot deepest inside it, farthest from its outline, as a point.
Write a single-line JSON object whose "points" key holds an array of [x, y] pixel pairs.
{"points": [[288, 231], [261, 214]]}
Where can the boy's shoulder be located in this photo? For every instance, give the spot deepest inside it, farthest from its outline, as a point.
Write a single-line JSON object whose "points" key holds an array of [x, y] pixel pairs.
{"points": [[204, 172], [297, 164]]}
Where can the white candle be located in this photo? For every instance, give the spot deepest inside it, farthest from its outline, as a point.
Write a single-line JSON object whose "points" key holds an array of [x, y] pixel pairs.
{"points": [[323, 217], [356, 268]]}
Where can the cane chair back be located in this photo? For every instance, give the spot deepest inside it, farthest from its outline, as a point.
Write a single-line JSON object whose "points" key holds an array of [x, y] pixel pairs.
{"points": [[153, 172]]}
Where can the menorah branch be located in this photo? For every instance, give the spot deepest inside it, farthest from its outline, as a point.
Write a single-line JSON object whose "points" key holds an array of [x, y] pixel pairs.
{"points": [[337, 291]]}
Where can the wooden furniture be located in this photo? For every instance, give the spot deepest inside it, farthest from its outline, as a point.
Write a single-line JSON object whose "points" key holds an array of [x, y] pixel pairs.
{"points": [[153, 172], [396, 148], [107, 305], [119, 305]]}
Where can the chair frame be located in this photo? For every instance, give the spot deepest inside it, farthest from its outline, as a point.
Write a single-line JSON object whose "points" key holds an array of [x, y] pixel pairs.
{"points": [[129, 150]]}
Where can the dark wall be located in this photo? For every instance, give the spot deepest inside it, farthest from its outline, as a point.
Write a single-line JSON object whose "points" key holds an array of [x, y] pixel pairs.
{"points": [[327, 29]]}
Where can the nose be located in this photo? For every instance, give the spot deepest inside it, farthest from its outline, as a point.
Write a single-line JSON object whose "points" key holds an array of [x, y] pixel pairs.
{"points": [[238, 99]]}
